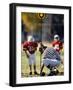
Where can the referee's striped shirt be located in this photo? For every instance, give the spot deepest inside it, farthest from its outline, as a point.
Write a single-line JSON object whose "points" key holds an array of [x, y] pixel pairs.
{"points": [[51, 53]]}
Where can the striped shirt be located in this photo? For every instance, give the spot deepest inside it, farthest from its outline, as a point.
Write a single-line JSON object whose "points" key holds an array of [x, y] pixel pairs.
{"points": [[51, 53]]}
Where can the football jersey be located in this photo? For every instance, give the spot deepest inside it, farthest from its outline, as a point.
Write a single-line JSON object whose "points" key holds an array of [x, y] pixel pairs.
{"points": [[30, 46], [57, 45]]}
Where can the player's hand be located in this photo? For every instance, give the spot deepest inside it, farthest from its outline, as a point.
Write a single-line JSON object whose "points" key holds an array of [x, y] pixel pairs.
{"points": [[27, 54], [41, 50], [24, 49]]}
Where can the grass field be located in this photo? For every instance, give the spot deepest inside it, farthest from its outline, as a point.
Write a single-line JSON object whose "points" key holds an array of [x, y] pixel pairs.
{"points": [[25, 66]]}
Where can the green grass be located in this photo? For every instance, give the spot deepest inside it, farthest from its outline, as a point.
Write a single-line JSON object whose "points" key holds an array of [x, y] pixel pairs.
{"points": [[25, 64]]}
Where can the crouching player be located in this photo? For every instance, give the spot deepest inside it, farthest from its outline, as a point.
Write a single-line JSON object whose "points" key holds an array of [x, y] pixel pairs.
{"points": [[51, 59], [30, 48], [51, 56]]}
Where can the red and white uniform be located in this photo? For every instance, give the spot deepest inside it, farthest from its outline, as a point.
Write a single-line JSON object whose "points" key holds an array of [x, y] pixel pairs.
{"points": [[58, 45], [31, 48]]}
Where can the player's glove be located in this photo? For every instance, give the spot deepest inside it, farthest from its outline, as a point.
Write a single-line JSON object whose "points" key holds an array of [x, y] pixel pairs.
{"points": [[24, 49]]}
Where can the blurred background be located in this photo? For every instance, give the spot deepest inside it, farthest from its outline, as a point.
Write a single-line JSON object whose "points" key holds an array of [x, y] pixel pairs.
{"points": [[42, 28]]}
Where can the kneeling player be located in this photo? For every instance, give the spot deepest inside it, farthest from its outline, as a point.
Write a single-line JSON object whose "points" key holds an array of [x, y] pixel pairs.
{"points": [[30, 48], [51, 59]]}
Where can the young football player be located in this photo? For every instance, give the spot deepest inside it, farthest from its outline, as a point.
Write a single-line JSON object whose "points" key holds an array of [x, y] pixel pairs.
{"points": [[57, 44], [30, 48]]}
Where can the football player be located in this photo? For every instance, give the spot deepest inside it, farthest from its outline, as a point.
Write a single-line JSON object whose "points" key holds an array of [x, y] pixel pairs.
{"points": [[30, 48], [57, 44]]}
